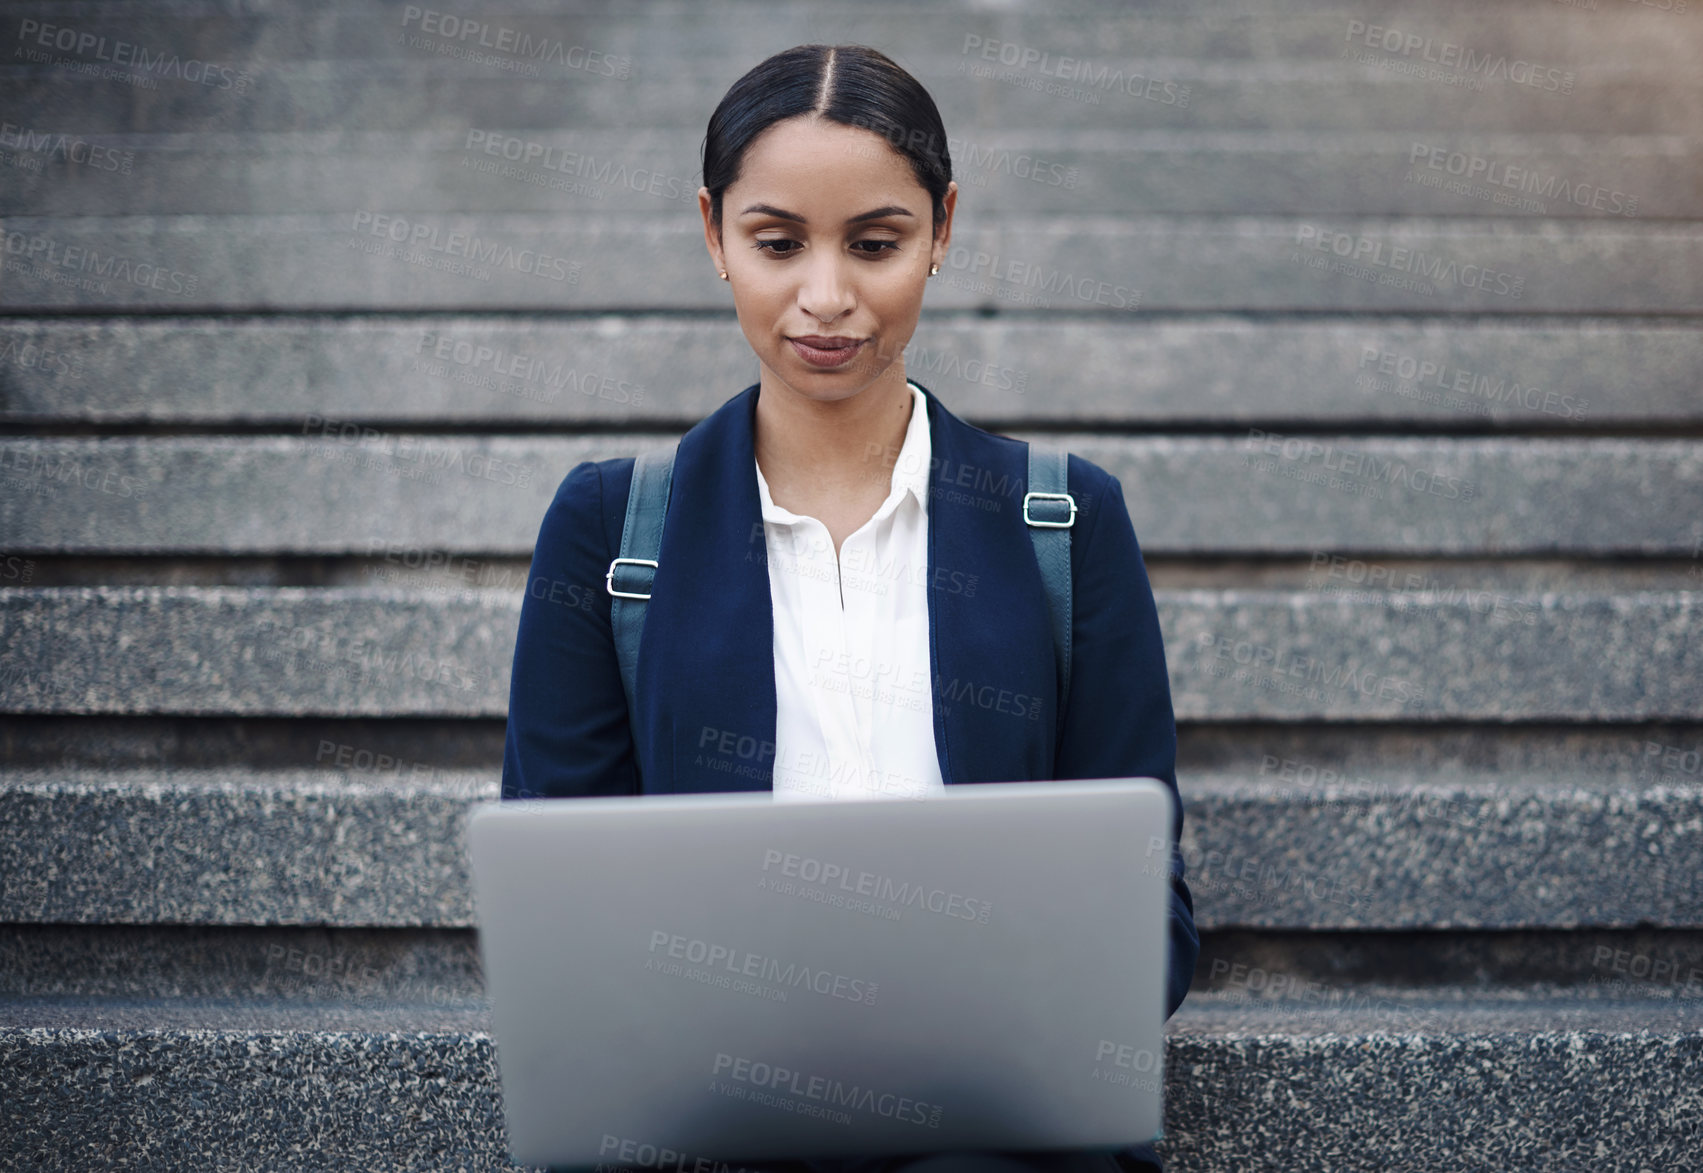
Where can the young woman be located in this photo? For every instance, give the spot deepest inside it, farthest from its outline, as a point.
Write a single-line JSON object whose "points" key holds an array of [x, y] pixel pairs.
{"points": [[847, 601]]}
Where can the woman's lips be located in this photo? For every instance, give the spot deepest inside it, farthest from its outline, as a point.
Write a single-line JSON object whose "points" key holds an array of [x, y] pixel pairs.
{"points": [[826, 352]]}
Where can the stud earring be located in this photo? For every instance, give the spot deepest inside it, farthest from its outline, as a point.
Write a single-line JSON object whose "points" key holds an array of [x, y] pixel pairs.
{"points": [[933, 269], [724, 274]]}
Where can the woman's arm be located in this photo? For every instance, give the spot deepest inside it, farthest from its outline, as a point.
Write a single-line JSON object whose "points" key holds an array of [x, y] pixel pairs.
{"points": [[1118, 721], [567, 726]]}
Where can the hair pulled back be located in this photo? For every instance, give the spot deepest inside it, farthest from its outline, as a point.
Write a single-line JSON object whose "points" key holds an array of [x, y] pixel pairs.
{"points": [[853, 85]]}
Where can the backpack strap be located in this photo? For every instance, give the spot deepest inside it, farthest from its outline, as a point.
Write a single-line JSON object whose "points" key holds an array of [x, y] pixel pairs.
{"points": [[1050, 511], [635, 565]]}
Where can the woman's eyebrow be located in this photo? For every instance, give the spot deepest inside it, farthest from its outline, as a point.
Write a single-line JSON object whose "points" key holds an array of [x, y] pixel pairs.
{"points": [[781, 214]]}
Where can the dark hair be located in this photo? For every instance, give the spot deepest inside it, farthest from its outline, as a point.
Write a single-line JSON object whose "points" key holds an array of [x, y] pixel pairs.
{"points": [[853, 85]]}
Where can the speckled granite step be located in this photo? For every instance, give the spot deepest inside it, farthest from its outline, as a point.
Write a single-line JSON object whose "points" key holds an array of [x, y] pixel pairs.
{"points": [[1333, 653], [439, 967], [702, 34], [340, 846], [1293, 1085], [1343, 84], [1055, 264], [1098, 172], [392, 372], [1262, 492]]}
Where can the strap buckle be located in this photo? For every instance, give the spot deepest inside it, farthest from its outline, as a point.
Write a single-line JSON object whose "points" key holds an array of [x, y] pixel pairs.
{"points": [[1050, 498], [609, 579]]}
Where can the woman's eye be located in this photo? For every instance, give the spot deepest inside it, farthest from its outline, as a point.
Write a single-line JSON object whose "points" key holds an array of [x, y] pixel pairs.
{"points": [[782, 247]]}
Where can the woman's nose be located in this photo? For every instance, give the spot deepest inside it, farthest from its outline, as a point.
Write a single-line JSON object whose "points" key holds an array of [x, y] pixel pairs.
{"points": [[826, 293]]}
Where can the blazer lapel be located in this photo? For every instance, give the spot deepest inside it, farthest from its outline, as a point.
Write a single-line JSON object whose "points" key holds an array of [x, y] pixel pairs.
{"points": [[706, 661], [995, 688]]}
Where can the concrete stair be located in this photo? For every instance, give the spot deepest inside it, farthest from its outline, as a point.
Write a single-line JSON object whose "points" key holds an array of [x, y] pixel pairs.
{"points": [[1427, 542]]}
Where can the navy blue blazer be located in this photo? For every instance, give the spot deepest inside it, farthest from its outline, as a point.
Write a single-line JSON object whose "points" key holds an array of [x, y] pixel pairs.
{"points": [[706, 681]]}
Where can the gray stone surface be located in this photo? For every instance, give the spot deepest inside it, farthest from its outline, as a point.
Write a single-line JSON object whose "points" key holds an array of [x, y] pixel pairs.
{"points": [[318, 30], [432, 967], [1144, 88], [440, 967], [1459, 850], [1075, 264], [1487, 852], [234, 847], [1112, 172], [353, 489], [1232, 655], [245, 1089], [296, 652], [1546, 1087], [614, 370], [1247, 1087], [1485, 967]]}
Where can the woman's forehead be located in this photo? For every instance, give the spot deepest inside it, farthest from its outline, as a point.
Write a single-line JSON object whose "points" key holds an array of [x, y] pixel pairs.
{"points": [[841, 171]]}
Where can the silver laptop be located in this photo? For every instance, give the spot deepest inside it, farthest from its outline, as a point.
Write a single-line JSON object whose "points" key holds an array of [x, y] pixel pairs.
{"points": [[724, 977]]}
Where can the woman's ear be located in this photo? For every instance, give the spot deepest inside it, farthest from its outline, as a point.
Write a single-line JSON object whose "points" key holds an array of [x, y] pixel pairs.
{"points": [[712, 234], [943, 230]]}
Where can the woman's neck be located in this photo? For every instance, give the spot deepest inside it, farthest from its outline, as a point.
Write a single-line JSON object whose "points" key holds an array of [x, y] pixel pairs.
{"points": [[834, 457]]}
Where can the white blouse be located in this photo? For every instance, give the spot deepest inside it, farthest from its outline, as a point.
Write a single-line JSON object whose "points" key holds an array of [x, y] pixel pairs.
{"points": [[854, 715]]}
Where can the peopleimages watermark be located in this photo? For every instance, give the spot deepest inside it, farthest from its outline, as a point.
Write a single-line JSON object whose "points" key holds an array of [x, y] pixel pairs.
{"points": [[361, 760], [96, 53], [987, 489], [1399, 266], [1313, 459], [780, 866], [32, 356], [630, 1153], [742, 971], [358, 661], [490, 367], [465, 254], [1281, 670], [1508, 183], [893, 684], [450, 35], [47, 146], [1640, 971], [296, 971], [546, 165], [16, 569], [1037, 69], [412, 457], [812, 554], [44, 473], [87, 268], [1456, 387], [1313, 781], [1253, 984], [1029, 283], [1670, 763], [949, 364], [973, 163], [820, 1091], [1244, 877], [467, 578], [826, 775], [1427, 57], [803, 771], [1342, 577], [1126, 1065]]}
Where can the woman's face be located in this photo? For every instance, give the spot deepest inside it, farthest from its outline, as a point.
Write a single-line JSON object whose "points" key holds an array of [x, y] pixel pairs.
{"points": [[827, 240]]}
